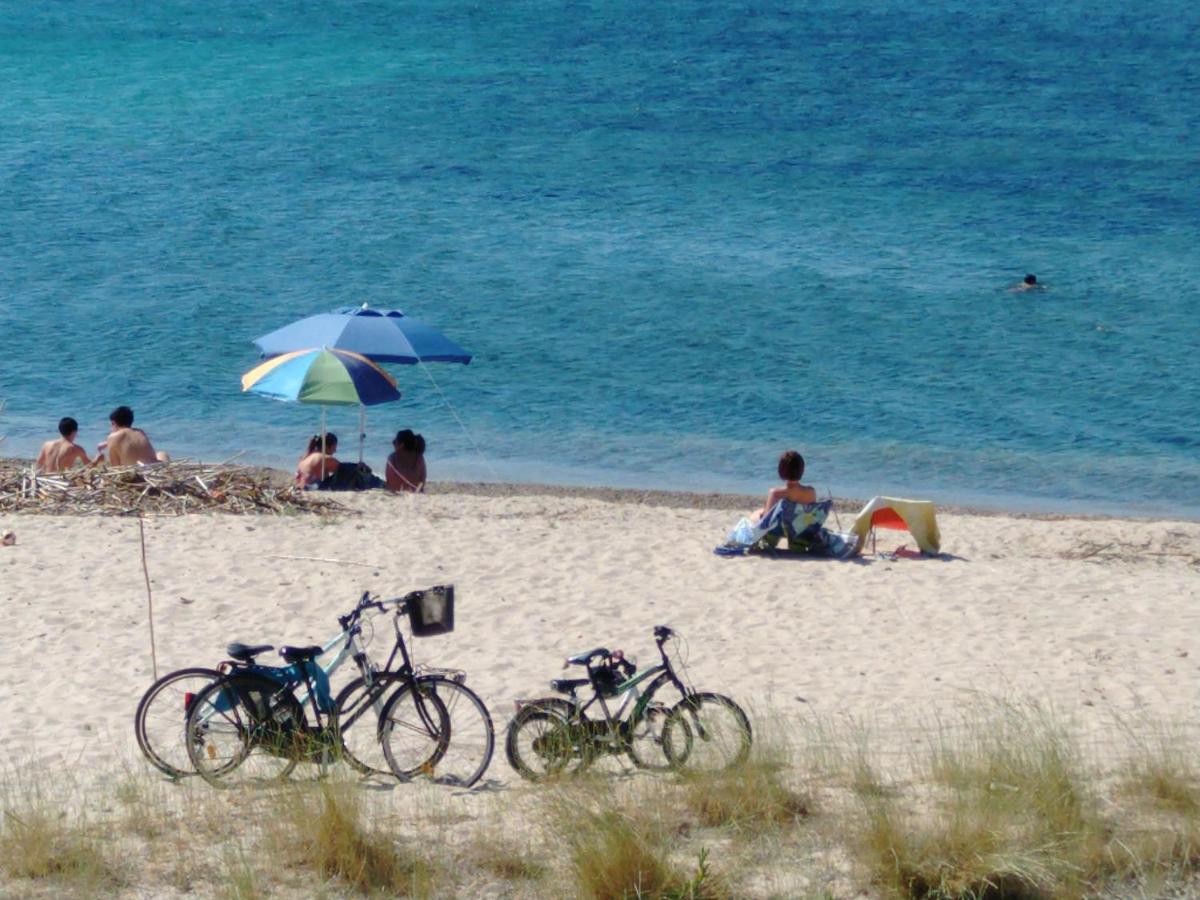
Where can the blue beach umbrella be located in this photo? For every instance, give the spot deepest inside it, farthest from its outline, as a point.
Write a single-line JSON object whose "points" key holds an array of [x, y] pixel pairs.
{"points": [[382, 335], [325, 376]]}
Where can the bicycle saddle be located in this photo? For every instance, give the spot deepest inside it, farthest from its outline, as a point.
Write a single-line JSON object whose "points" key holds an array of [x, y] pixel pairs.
{"points": [[246, 652], [582, 659], [568, 685], [296, 654]]}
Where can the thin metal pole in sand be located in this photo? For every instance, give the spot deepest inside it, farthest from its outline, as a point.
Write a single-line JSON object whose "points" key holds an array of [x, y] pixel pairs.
{"points": [[149, 597], [362, 430], [323, 451]]}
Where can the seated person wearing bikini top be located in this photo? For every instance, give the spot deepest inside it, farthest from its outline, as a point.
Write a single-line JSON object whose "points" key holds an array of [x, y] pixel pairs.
{"points": [[315, 465], [406, 464]]}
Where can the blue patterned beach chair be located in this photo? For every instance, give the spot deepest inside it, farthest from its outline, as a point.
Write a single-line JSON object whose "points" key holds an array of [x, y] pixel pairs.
{"points": [[802, 525]]}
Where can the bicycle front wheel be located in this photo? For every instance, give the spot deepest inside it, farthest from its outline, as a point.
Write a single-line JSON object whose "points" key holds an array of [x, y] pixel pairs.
{"points": [[707, 733], [360, 722], [646, 747], [441, 730], [162, 714], [244, 729]]}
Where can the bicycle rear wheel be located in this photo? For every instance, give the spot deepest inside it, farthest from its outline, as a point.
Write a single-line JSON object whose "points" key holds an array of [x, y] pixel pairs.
{"points": [[542, 743], [441, 730], [706, 732], [245, 729], [161, 715]]}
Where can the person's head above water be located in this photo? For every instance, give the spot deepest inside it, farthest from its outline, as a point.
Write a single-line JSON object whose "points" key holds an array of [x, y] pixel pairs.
{"points": [[791, 466], [1031, 279]]}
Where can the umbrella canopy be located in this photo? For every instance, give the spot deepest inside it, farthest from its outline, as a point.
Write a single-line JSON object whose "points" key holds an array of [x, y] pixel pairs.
{"points": [[384, 335], [324, 376]]}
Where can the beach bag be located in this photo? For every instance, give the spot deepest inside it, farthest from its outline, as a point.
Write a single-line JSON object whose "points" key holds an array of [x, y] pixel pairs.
{"points": [[351, 477]]}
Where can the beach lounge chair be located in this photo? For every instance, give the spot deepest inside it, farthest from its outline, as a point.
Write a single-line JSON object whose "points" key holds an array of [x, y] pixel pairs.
{"points": [[802, 525]]}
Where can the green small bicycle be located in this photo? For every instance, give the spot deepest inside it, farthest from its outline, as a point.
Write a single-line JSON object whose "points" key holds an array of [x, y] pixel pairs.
{"points": [[556, 735]]}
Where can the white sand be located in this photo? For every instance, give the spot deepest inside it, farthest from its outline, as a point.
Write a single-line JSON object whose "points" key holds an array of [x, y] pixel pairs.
{"points": [[1100, 618]]}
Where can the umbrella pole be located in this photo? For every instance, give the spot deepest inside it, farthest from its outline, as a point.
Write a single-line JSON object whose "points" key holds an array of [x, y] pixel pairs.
{"points": [[322, 443], [362, 431]]}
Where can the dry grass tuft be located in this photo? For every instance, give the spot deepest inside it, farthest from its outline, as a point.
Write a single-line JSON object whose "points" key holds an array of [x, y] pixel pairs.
{"points": [[613, 860], [1164, 771], [752, 798], [963, 854], [618, 843], [321, 827], [41, 838], [242, 882], [506, 858], [1011, 815]]}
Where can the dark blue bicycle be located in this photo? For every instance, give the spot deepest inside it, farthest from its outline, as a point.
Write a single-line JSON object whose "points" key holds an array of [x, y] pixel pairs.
{"points": [[252, 724]]}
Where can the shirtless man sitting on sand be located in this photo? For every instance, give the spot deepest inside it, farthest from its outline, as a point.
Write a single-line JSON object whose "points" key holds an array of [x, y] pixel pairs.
{"points": [[60, 455], [127, 445]]}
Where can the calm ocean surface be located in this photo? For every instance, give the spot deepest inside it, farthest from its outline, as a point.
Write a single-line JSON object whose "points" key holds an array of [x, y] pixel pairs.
{"points": [[679, 237]]}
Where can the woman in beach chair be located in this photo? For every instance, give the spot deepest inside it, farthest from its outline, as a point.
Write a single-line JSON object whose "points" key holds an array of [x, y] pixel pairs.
{"points": [[791, 470], [792, 512]]}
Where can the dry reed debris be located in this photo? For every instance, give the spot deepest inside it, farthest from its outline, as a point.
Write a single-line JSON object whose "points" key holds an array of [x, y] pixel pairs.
{"points": [[166, 489]]}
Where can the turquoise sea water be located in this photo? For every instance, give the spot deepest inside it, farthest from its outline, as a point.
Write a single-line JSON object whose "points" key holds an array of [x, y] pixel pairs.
{"points": [[679, 237]]}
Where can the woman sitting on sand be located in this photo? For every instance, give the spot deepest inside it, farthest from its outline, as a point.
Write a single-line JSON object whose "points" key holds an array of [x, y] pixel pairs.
{"points": [[791, 470], [315, 465], [406, 464]]}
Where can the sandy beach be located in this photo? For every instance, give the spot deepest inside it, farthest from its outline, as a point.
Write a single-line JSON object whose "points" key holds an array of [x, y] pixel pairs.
{"points": [[1096, 617]]}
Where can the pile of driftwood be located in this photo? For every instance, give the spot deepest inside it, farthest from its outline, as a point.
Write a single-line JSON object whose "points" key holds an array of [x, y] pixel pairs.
{"points": [[174, 488]]}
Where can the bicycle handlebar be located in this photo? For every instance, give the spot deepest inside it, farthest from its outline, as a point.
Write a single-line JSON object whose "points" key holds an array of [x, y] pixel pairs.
{"points": [[365, 603]]}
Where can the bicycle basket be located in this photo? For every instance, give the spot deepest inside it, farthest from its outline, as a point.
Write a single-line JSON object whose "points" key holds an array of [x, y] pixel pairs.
{"points": [[606, 679], [431, 612]]}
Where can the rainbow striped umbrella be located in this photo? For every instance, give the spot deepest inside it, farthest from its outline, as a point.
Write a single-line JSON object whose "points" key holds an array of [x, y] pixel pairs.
{"points": [[325, 376]]}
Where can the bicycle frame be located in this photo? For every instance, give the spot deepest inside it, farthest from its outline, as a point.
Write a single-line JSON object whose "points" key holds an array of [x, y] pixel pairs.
{"points": [[315, 678], [628, 689]]}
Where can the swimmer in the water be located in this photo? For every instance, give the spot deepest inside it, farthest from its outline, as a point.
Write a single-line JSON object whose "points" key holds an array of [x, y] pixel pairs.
{"points": [[1030, 283]]}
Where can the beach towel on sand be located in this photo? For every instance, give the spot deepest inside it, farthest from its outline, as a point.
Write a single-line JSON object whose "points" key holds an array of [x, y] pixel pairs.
{"points": [[801, 524]]}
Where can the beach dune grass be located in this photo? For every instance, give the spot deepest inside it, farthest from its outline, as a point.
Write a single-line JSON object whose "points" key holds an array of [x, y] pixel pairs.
{"points": [[505, 858], [1008, 808], [752, 798], [323, 827], [619, 842], [1164, 770], [1004, 805], [1159, 837], [1009, 812], [45, 837]]}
